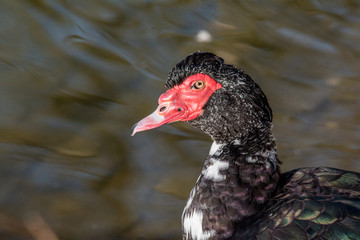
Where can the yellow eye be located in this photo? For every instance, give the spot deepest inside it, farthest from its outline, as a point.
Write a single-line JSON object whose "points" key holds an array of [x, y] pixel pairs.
{"points": [[198, 85]]}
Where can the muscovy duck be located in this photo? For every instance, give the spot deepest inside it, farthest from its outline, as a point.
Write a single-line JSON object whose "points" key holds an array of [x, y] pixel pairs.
{"points": [[240, 193]]}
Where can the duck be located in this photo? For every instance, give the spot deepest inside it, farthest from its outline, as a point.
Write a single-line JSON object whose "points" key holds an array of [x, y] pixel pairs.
{"points": [[241, 192]]}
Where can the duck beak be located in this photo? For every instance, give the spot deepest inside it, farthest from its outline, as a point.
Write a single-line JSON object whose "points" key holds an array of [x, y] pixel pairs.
{"points": [[165, 113], [171, 109], [152, 121]]}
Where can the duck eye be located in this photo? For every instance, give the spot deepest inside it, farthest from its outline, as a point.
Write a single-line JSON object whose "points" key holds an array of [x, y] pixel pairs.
{"points": [[198, 85]]}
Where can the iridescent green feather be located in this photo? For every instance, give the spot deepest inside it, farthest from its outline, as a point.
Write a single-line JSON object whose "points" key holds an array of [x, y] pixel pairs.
{"points": [[311, 210], [325, 204]]}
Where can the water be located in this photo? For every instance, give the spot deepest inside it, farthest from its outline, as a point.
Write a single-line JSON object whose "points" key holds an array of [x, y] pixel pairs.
{"points": [[76, 75]]}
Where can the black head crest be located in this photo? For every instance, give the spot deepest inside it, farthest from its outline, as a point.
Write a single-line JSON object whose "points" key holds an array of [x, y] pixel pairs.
{"points": [[198, 62]]}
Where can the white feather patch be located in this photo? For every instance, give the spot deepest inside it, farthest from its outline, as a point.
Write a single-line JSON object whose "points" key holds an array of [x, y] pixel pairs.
{"points": [[193, 226], [215, 149], [212, 172]]}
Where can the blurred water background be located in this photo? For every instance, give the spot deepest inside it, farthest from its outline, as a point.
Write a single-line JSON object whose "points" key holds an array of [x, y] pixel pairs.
{"points": [[76, 75]]}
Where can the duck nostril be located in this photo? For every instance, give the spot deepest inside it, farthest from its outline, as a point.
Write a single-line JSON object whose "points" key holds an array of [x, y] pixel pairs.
{"points": [[162, 109]]}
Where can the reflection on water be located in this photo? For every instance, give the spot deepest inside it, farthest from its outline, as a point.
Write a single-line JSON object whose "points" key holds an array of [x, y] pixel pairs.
{"points": [[77, 74]]}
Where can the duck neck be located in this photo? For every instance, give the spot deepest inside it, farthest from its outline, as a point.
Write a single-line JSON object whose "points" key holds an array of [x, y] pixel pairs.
{"points": [[237, 180]]}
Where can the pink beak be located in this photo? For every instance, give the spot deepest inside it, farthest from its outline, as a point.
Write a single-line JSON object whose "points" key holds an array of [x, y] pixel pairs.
{"points": [[165, 113]]}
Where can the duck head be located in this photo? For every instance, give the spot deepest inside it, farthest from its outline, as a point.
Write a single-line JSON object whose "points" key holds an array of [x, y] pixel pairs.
{"points": [[212, 96]]}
